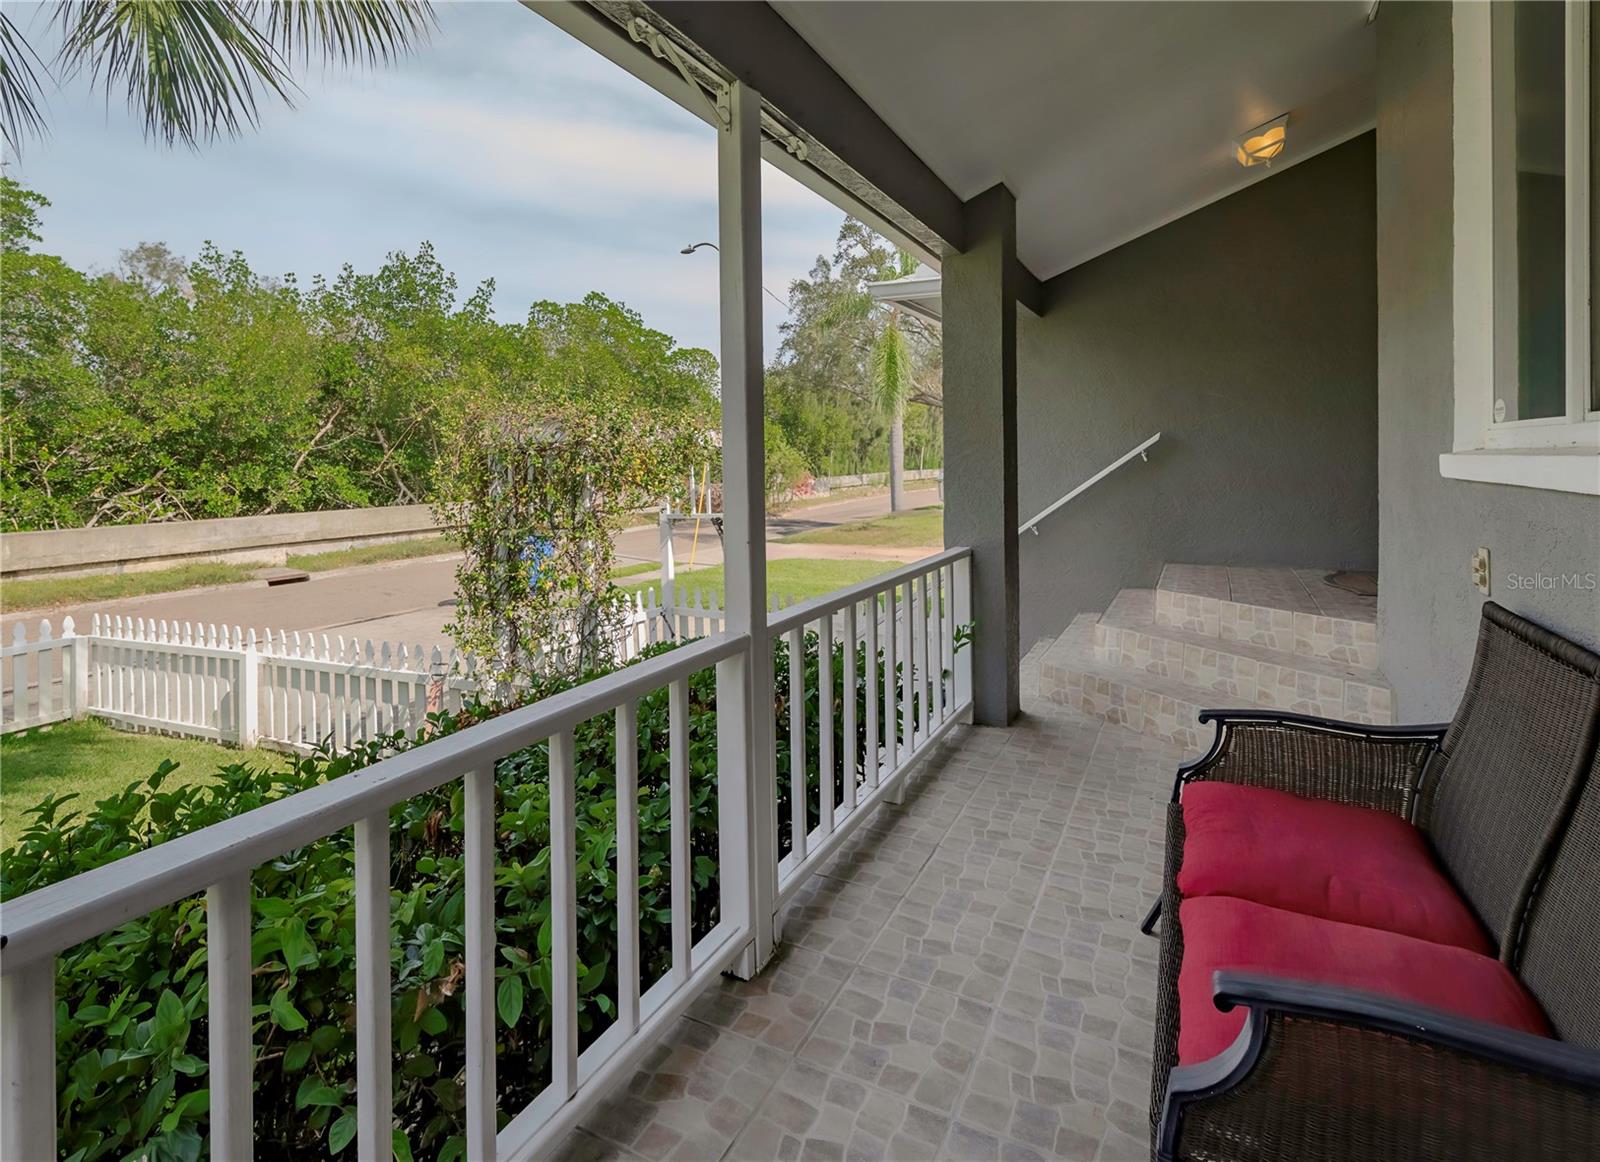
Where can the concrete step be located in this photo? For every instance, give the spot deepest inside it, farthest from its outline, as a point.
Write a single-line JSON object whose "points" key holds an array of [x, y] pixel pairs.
{"points": [[1128, 634], [1072, 673], [1076, 672], [1292, 611]]}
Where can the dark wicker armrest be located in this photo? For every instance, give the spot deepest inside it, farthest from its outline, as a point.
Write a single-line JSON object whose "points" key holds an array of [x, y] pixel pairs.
{"points": [[1321, 758], [1336, 1074]]}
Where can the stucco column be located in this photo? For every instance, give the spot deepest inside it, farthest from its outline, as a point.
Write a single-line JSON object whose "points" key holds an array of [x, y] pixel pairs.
{"points": [[980, 440]]}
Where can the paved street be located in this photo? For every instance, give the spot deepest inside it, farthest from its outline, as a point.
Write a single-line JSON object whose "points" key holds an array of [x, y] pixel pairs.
{"points": [[409, 601]]}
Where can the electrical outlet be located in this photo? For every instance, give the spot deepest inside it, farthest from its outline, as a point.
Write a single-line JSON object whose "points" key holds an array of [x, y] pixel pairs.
{"points": [[1480, 570]]}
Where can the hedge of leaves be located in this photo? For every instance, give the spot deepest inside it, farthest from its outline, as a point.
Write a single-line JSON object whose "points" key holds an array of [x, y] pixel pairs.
{"points": [[131, 1005]]}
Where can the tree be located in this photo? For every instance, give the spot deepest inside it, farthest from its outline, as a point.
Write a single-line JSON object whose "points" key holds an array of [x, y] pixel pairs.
{"points": [[181, 390], [195, 68], [841, 340], [155, 268]]}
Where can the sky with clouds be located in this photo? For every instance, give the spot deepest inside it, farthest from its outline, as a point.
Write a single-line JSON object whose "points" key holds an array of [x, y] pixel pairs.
{"points": [[520, 153]]}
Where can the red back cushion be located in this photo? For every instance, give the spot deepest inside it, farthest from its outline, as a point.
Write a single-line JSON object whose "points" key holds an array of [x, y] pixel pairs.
{"points": [[1351, 864]]}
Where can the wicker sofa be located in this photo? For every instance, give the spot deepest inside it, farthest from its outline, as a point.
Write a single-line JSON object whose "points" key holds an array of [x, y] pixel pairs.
{"points": [[1384, 942]]}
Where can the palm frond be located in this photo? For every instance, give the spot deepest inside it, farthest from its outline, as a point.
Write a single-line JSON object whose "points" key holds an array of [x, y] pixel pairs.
{"points": [[21, 94], [192, 68], [348, 31], [197, 68], [891, 369], [846, 309]]}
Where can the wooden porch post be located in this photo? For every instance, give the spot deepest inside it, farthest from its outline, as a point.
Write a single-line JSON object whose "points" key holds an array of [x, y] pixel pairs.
{"points": [[747, 837], [980, 441]]}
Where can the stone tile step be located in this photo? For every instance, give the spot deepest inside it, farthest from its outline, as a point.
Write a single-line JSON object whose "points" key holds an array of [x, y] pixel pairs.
{"points": [[1129, 635], [1074, 672], [1227, 602]]}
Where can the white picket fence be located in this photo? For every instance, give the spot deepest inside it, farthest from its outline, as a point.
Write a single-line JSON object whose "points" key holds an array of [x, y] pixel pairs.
{"points": [[286, 690]]}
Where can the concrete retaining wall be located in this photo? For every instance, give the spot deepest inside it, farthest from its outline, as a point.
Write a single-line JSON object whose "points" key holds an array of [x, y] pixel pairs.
{"points": [[266, 540]]}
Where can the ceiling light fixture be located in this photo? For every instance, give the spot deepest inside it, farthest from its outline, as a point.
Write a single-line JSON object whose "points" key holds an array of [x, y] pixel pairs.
{"points": [[1260, 145]]}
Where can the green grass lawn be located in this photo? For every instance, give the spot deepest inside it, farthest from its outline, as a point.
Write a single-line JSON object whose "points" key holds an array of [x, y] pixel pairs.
{"points": [[799, 579], [622, 571], [374, 554], [94, 760], [46, 592], [900, 530]]}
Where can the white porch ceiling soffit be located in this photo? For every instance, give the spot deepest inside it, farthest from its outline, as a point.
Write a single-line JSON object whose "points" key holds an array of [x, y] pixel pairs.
{"points": [[789, 145]]}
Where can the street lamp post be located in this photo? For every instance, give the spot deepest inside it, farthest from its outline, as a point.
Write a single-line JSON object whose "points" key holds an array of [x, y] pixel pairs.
{"points": [[690, 249]]}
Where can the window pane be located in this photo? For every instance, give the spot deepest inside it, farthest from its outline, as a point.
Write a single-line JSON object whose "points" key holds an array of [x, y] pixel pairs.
{"points": [[1530, 251]]}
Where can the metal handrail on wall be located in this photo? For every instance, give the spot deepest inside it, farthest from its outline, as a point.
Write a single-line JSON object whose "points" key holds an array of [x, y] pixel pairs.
{"points": [[1142, 451]]}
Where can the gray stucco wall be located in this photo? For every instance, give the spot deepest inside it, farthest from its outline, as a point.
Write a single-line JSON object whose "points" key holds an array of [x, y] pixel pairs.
{"points": [[1245, 333], [1428, 526]]}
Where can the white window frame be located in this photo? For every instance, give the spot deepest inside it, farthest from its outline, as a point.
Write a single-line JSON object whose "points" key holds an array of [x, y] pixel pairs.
{"points": [[1560, 452]]}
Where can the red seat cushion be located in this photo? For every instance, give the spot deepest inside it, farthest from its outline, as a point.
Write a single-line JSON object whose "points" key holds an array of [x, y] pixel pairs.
{"points": [[1223, 933], [1332, 860]]}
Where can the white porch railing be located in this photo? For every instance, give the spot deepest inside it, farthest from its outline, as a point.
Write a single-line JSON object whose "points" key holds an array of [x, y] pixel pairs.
{"points": [[898, 640], [892, 709]]}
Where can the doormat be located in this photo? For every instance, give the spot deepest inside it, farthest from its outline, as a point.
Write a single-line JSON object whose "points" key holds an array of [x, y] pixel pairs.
{"points": [[1361, 584]]}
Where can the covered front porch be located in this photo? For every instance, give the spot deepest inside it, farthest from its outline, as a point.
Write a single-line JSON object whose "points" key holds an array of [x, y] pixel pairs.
{"points": [[895, 907], [964, 979]]}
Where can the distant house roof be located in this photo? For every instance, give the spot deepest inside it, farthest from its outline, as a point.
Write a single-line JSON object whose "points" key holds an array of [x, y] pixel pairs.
{"points": [[917, 292]]}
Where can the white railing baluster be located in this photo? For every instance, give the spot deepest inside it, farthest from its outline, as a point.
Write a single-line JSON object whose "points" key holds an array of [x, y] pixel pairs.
{"points": [[825, 794], [628, 865], [682, 865], [851, 750], [798, 792], [870, 755], [948, 641], [563, 919], [917, 662], [228, 1000], [941, 629], [479, 844], [28, 1059], [374, 1049], [906, 654], [927, 642], [891, 683]]}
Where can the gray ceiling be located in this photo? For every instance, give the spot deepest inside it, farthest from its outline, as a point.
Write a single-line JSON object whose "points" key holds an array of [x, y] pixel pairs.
{"points": [[1105, 119]]}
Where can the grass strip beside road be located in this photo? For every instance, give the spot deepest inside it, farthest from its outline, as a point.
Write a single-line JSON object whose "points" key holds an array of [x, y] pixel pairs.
{"points": [[900, 530], [48, 592], [374, 554], [634, 570], [798, 578]]}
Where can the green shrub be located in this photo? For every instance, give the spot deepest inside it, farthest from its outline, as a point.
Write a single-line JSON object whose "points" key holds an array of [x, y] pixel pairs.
{"points": [[131, 1004]]}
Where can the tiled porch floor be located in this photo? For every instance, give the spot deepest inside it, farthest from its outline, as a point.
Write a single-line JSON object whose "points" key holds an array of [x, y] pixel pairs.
{"points": [[966, 980]]}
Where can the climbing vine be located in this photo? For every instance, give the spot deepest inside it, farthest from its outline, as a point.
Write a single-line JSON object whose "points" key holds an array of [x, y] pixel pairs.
{"points": [[536, 491]]}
